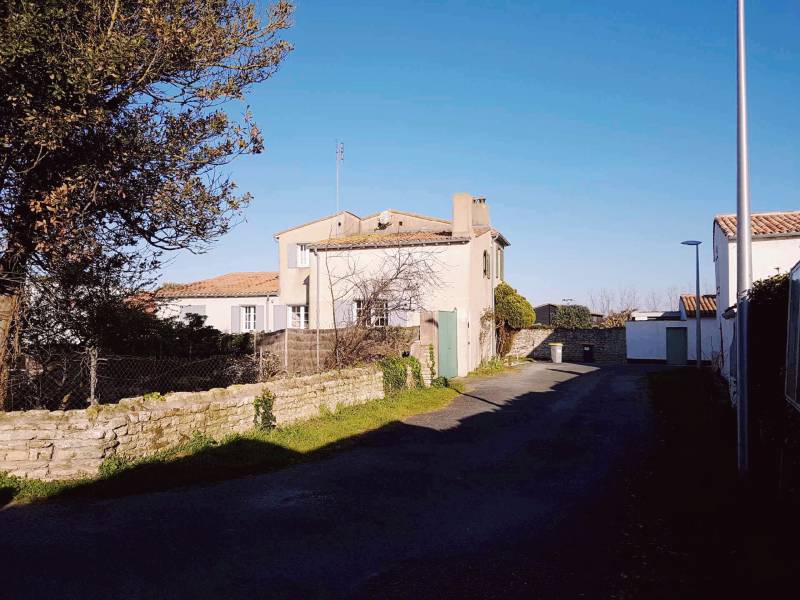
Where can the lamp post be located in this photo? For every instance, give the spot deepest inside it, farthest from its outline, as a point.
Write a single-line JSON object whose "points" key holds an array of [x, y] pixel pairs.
{"points": [[696, 245]]}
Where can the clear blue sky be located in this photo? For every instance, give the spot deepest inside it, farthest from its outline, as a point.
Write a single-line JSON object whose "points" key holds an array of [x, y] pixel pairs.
{"points": [[601, 133]]}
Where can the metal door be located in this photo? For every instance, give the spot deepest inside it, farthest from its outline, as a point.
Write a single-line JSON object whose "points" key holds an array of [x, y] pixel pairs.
{"points": [[448, 343], [677, 348]]}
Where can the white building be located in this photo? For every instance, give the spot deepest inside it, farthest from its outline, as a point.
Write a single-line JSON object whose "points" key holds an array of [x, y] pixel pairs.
{"points": [[775, 249], [467, 252], [671, 337], [232, 303]]}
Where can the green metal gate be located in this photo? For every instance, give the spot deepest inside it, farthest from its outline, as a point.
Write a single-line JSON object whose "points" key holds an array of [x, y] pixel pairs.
{"points": [[677, 347], [448, 343]]}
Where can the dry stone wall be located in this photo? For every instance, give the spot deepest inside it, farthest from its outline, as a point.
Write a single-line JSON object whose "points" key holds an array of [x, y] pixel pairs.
{"points": [[53, 445], [609, 344]]}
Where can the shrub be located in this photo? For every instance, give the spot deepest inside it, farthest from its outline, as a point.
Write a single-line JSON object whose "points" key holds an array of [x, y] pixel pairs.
{"points": [[440, 382], [572, 316], [264, 418], [394, 373], [512, 312]]}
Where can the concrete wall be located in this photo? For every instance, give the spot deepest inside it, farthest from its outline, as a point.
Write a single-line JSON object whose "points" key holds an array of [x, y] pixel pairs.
{"points": [[609, 344], [218, 310], [647, 340], [66, 444]]}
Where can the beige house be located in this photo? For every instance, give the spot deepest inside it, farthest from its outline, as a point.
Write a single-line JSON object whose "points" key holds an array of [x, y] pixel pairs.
{"points": [[233, 303], [325, 265]]}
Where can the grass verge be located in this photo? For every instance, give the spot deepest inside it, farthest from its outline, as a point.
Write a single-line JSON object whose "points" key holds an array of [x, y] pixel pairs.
{"points": [[203, 460], [493, 366]]}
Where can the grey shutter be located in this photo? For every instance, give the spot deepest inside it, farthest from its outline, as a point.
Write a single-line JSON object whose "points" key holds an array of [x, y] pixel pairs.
{"points": [[236, 314], [343, 309], [259, 317], [278, 317], [195, 309], [292, 256]]}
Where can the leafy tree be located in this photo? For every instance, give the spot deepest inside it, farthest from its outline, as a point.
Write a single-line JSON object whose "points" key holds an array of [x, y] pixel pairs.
{"points": [[572, 316], [113, 135], [512, 312]]}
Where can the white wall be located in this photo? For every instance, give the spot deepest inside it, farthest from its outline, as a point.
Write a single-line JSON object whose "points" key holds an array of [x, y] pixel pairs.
{"points": [[647, 340], [218, 310]]}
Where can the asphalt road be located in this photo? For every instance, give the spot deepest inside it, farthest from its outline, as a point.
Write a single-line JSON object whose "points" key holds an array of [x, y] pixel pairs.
{"points": [[515, 490]]}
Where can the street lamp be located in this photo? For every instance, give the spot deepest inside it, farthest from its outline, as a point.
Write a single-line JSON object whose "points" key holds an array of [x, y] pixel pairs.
{"points": [[696, 245]]}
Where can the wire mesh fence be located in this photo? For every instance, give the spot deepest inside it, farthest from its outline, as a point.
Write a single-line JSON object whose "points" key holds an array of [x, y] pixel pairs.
{"points": [[76, 379]]}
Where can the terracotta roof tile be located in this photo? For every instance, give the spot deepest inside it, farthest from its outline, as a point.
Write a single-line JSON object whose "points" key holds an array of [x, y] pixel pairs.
{"points": [[259, 283], [383, 240], [763, 224], [708, 305]]}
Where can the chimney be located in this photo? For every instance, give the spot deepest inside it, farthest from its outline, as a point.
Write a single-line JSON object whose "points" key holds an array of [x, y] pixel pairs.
{"points": [[462, 215], [480, 212]]}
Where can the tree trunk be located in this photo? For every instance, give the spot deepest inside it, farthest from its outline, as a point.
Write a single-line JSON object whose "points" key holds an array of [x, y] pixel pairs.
{"points": [[9, 305]]}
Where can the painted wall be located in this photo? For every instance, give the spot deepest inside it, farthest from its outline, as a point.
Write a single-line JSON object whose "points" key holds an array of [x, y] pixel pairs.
{"points": [[647, 340], [461, 287], [218, 310]]}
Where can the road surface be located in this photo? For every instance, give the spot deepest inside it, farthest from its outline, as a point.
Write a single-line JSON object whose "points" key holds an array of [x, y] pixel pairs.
{"points": [[515, 490]]}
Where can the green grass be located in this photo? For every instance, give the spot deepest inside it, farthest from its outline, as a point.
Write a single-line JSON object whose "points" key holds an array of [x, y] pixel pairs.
{"points": [[493, 366], [203, 460]]}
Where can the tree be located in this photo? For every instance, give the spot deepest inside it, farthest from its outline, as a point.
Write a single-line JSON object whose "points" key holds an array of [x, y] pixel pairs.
{"points": [[572, 316], [512, 312], [113, 132], [372, 298]]}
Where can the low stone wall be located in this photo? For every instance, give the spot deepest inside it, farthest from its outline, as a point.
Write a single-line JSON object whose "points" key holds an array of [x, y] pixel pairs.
{"points": [[52, 445], [609, 344]]}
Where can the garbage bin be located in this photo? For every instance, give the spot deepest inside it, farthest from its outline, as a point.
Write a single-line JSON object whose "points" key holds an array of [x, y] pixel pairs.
{"points": [[556, 349], [588, 353]]}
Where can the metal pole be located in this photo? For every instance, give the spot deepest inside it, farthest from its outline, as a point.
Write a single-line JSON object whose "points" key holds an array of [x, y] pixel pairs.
{"points": [[316, 259], [744, 275], [697, 300]]}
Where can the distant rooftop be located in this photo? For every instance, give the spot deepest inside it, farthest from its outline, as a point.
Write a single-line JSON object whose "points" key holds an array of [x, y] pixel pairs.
{"points": [[708, 305], [769, 224], [230, 285]]}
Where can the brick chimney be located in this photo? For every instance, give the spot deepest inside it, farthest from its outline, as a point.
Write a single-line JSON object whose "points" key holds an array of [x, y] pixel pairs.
{"points": [[480, 213], [462, 215]]}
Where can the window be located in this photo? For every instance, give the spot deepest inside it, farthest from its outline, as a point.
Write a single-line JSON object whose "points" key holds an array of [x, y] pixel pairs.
{"points": [[302, 255], [486, 265], [248, 318], [299, 317], [379, 316]]}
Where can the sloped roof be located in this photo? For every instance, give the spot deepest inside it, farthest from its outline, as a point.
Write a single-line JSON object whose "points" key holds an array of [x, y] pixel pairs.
{"points": [[233, 285], [386, 240], [708, 305], [770, 224]]}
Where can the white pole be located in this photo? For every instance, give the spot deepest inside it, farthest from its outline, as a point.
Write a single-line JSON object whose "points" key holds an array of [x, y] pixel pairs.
{"points": [[697, 300], [744, 274]]}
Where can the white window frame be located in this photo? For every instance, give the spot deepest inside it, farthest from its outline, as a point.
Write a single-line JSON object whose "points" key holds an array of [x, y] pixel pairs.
{"points": [[302, 313], [379, 318], [249, 317], [303, 256]]}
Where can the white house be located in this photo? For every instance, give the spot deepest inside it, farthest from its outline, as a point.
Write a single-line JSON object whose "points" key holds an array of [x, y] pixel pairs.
{"points": [[233, 303], [775, 249], [466, 253], [670, 337]]}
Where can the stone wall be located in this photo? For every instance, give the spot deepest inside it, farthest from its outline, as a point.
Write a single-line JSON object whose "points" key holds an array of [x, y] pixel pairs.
{"points": [[52, 445], [609, 344]]}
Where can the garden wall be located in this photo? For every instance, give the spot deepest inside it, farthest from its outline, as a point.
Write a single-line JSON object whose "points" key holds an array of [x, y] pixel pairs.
{"points": [[66, 444], [609, 344]]}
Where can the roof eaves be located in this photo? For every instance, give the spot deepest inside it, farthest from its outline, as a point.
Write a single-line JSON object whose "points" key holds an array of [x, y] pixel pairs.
{"points": [[364, 246]]}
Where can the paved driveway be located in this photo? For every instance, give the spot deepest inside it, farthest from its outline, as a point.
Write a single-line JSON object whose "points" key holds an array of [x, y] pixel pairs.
{"points": [[513, 490]]}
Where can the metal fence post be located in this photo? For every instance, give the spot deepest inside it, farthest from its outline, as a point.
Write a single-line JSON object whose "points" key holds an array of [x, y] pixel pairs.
{"points": [[260, 365], [92, 375]]}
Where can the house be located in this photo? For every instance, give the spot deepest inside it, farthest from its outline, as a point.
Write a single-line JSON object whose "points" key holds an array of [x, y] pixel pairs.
{"points": [[324, 266], [775, 249], [670, 337], [233, 303]]}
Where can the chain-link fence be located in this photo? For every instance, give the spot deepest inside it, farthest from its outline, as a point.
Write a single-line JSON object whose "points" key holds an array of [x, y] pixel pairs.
{"points": [[76, 379]]}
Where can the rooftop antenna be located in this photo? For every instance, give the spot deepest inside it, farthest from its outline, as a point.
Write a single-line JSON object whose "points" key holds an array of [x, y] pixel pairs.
{"points": [[339, 159]]}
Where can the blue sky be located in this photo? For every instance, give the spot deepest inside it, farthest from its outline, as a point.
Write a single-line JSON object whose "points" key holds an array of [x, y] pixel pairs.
{"points": [[601, 133]]}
